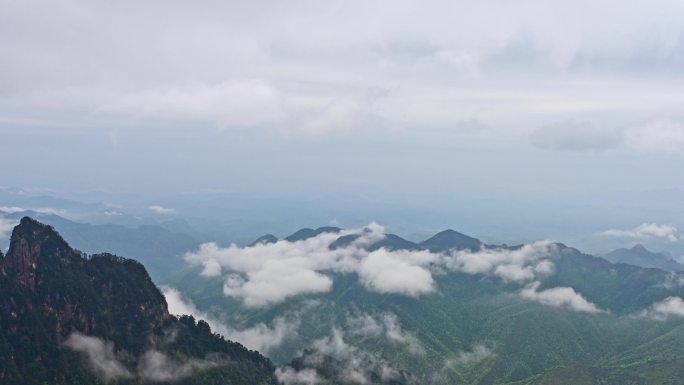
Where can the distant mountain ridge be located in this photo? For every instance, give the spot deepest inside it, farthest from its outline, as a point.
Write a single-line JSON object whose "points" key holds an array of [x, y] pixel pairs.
{"points": [[441, 242], [451, 240], [306, 233], [49, 291], [521, 341], [159, 249], [639, 255]]}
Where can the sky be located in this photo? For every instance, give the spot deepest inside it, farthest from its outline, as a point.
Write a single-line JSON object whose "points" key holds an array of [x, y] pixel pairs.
{"points": [[568, 112]]}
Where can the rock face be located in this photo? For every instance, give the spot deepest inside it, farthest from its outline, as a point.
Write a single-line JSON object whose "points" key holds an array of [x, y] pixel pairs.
{"points": [[103, 295], [25, 246], [49, 291]]}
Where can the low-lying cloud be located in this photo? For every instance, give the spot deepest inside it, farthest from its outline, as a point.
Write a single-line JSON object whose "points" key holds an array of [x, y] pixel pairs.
{"points": [[353, 365], [101, 357], [39, 210], [349, 363], [399, 272], [646, 231], [670, 307], [561, 297], [157, 366], [161, 210], [477, 354], [384, 326], [6, 226], [260, 337], [152, 365], [266, 274], [519, 265], [290, 376]]}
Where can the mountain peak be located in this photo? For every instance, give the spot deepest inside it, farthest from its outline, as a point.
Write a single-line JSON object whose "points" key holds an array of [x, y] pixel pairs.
{"points": [[31, 239], [451, 239], [639, 248], [51, 293], [264, 240], [307, 233], [639, 255]]}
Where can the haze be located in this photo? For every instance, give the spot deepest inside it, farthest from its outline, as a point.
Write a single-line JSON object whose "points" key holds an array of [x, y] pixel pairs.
{"points": [[510, 120]]}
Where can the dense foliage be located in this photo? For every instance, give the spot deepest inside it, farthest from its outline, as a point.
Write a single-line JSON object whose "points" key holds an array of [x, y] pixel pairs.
{"points": [[476, 329], [48, 291]]}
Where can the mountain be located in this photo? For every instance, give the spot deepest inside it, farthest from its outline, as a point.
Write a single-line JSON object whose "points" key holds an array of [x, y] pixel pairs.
{"points": [[388, 242], [69, 318], [264, 240], [307, 233], [394, 242], [158, 248], [481, 328], [640, 256], [451, 240]]}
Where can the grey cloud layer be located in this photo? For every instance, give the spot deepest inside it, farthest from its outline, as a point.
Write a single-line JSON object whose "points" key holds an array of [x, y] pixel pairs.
{"points": [[361, 65], [651, 135]]}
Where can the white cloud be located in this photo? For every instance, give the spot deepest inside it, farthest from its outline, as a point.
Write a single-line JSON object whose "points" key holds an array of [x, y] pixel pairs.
{"points": [[519, 265], [395, 272], [260, 337], [670, 307], [157, 366], [478, 353], [646, 231], [276, 281], [352, 364], [11, 209], [101, 356], [39, 210], [152, 364], [270, 273], [161, 210], [386, 326], [265, 274], [351, 358], [6, 226], [289, 376], [563, 297]]}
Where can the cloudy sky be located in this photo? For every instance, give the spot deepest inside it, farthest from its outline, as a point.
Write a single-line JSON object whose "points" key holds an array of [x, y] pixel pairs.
{"points": [[530, 100]]}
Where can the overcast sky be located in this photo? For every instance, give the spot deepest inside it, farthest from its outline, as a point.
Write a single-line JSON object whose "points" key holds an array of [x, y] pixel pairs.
{"points": [[549, 100]]}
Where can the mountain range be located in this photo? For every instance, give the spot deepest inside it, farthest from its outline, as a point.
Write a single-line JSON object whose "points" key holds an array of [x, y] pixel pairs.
{"points": [[638, 255], [584, 320], [157, 247], [72, 318]]}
